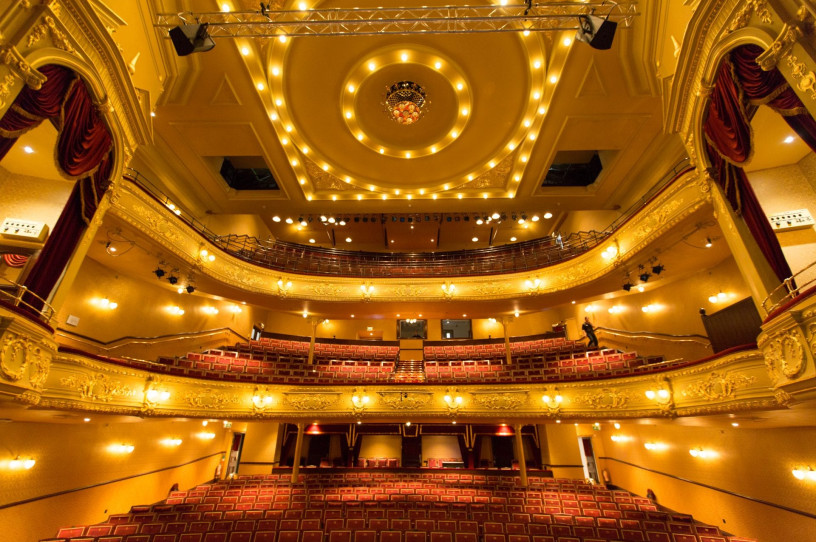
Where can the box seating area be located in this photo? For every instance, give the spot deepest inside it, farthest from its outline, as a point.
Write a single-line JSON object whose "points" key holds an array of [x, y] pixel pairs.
{"points": [[388, 506], [562, 365], [496, 351], [272, 349]]}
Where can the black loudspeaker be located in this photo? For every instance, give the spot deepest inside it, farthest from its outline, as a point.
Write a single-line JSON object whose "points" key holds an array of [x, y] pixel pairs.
{"points": [[597, 32], [191, 38]]}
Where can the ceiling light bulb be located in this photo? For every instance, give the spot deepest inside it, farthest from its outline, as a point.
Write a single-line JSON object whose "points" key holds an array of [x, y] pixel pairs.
{"points": [[404, 57], [260, 86], [282, 39], [789, 139], [28, 150], [512, 238], [567, 42], [245, 51], [553, 79], [372, 66], [351, 88], [459, 86]]}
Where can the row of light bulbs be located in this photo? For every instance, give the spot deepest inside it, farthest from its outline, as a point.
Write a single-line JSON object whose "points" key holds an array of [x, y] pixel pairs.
{"points": [[617, 309]]}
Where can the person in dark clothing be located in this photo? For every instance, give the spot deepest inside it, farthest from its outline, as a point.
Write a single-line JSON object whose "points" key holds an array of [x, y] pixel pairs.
{"points": [[590, 333]]}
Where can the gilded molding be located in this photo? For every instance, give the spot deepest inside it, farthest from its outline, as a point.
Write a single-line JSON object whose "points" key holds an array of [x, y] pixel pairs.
{"points": [[497, 399], [784, 354], [48, 27], [743, 17], [405, 400], [806, 79], [211, 399], [11, 57], [5, 89], [790, 34], [311, 399], [605, 398], [719, 386], [98, 387]]}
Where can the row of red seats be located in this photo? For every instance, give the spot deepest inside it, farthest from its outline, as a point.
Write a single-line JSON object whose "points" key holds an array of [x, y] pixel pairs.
{"points": [[632, 518], [378, 462], [321, 349]]}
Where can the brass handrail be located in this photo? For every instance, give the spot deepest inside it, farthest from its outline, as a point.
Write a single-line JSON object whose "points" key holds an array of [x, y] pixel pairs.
{"points": [[109, 345], [46, 313], [694, 338], [792, 286]]}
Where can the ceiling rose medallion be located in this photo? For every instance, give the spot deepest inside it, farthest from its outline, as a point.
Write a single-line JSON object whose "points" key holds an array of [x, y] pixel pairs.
{"points": [[406, 102]]}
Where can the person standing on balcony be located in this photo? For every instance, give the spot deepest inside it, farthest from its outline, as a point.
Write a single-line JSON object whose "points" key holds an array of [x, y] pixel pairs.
{"points": [[590, 333]]}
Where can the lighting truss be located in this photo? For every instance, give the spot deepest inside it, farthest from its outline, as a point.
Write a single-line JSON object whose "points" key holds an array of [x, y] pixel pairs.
{"points": [[535, 17]]}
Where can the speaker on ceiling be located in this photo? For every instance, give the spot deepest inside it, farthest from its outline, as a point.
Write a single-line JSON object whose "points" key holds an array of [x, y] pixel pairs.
{"points": [[191, 38], [597, 32]]}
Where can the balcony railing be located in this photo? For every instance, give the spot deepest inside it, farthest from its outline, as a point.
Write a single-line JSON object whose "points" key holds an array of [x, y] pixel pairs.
{"points": [[518, 257]]}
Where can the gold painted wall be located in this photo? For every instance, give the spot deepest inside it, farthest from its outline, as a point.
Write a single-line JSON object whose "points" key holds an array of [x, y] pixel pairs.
{"points": [[237, 224], [260, 446], [440, 447], [381, 446], [790, 188], [33, 198], [142, 310], [75, 455], [562, 443], [755, 462]]}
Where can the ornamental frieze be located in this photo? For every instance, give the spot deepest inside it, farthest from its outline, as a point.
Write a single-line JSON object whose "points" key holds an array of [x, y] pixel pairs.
{"points": [[604, 398], [311, 400], [99, 387], [501, 400], [405, 400], [784, 354], [719, 386], [410, 291], [210, 398], [19, 354]]}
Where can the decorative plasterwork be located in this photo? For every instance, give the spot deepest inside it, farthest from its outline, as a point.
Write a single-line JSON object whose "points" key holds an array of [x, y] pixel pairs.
{"points": [[606, 398], [683, 197], [11, 57], [48, 27], [498, 399], [406, 400], [311, 399], [97, 387], [718, 386], [805, 78], [25, 355]]}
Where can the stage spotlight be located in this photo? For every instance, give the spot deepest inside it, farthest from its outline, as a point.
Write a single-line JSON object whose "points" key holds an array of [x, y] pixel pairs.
{"points": [[191, 38], [657, 269], [595, 31], [159, 272], [627, 286], [644, 277], [190, 289], [172, 279]]}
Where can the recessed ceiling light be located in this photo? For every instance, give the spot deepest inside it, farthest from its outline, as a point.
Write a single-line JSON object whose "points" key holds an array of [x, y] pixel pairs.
{"points": [[289, 220], [404, 57], [537, 64], [348, 114], [152, 113], [464, 111], [548, 215], [553, 79], [567, 42], [276, 218], [302, 180], [392, 240], [348, 239], [542, 110], [512, 238], [526, 33], [459, 86], [282, 39], [475, 239], [536, 95], [372, 66], [273, 116], [311, 240], [434, 196], [245, 51], [351, 88], [438, 65], [788, 139], [260, 86], [28, 150], [535, 218], [225, 7], [275, 71]]}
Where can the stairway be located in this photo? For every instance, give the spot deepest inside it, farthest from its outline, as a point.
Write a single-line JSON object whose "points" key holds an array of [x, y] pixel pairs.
{"points": [[409, 371], [410, 365]]}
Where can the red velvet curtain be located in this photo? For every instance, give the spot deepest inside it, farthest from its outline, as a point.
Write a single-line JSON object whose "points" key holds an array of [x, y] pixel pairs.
{"points": [[772, 89], [31, 107], [84, 151], [728, 133]]}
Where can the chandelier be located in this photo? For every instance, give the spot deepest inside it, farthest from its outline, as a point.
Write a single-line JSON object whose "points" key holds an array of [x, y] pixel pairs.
{"points": [[405, 102]]}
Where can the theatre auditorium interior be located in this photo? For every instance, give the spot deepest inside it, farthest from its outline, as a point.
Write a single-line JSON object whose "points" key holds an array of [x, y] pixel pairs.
{"points": [[364, 271]]}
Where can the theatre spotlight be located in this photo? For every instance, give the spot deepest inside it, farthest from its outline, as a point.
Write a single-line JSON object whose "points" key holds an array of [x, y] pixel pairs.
{"points": [[172, 279], [627, 286], [657, 269], [596, 31], [159, 272], [644, 275], [190, 288], [191, 38]]}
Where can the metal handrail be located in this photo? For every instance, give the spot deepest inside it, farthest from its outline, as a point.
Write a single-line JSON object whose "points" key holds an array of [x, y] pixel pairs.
{"points": [[295, 258], [792, 286], [694, 338], [109, 345], [17, 295]]}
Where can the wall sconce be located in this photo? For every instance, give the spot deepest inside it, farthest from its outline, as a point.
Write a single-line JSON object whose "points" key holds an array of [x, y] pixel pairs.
{"points": [[662, 395], [702, 454], [156, 395], [617, 309], [205, 255], [235, 309], [106, 303], [804, 474], [212, 311], [610, 252], [657, 395], [172, 442], [552, 400], [453, 401], [284, 287], [653, 307], [21, 464], [590, 308], [532, 285], [655, 446], [368, 290], [359, 402], [122, 448], [620, 438], [719, 298], [447, 290], [204, 435], [175, 310], [261, 400], [153, 394]]}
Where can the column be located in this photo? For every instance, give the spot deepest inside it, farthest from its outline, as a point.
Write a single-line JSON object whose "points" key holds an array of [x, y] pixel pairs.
{"points": [[298, 449], [753, 266], [504, 323], [520, 455], [315, 321]]}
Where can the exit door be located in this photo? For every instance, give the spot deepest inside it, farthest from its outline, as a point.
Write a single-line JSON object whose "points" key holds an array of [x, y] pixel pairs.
{"points": [[588, 459]]}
